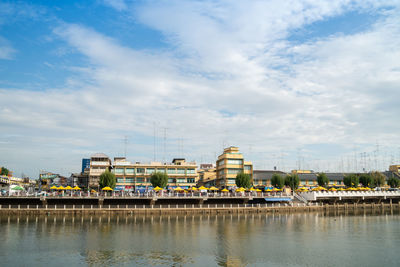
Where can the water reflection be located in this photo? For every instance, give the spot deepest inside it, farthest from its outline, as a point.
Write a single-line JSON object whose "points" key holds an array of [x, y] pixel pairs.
{"points": [[311, 239]]}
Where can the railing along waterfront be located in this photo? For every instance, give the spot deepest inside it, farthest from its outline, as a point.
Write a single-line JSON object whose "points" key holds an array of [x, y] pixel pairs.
{"points": [[313, 196], [169, 206], [151, 195]]}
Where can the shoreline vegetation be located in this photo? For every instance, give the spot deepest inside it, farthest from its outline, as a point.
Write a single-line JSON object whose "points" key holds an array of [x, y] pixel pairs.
{"points": [[210, 210]]}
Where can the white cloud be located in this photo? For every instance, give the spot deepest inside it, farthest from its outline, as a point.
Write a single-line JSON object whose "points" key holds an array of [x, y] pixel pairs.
{"points": [[231, 77]]}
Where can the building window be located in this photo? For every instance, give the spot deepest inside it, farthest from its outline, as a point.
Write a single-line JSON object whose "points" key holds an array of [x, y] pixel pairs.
{"points": [[161, 170], [181, 180], [119, 171], [120, 180], [181, 171], [129, 171], [234, 171], [190, 180], [221, 162], [139, 180], [231, 181], [150, 170], [221, 172], [140, 170], [190, 171], [171, 171], [247, 167], [235, 161], [171, 180], [129, 180]]}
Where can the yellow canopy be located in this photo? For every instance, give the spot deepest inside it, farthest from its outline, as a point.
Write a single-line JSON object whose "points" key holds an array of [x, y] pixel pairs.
{"points": [[68, 188], [107, 188], [76, 188], [178, 189], [213, 188], [224, 190], [319, 188], [53, 187], [276, 190], [269, 190], [252, 189], [193, 188], [258, 190], [203, 188], [157, 188], [60, 187], [351, 189], [332, 189]]}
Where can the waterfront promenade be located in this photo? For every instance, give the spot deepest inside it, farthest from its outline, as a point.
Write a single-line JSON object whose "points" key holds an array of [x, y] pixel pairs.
{"points": [[186, 203]]}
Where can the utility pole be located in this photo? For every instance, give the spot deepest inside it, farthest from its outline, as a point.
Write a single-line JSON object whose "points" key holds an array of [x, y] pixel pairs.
{"points": [[125, 143]]}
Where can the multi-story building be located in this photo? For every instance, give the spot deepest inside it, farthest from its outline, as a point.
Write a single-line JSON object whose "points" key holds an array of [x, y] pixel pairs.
{"points": [[229, 164], [85, 165], [394, 168], [207, 175], [133, 176], [99, 163]]}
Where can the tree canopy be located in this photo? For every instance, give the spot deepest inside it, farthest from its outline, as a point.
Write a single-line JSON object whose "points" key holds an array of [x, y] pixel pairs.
{"points": [[243, 180], [292, 181], [351, 180], [393, 182], [4, 171], [322, 179], [379, 178], [366, 180], [159, 179], [277, 181], [107, 179]]}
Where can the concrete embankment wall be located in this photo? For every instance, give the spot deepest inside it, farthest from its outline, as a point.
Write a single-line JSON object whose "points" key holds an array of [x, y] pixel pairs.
{"points": [[201, 210]]}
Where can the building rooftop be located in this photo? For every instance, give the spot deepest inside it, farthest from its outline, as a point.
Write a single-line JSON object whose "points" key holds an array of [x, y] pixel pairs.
{"points": [[99, 155]]}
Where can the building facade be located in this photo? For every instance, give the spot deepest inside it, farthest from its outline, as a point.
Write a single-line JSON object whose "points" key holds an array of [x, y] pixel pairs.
{"points": [[85, 165], [229, 164], [99, 163], [134, 176]]}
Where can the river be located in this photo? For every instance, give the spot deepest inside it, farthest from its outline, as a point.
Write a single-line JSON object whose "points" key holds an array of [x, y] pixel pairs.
{"points": [[300, 239]]}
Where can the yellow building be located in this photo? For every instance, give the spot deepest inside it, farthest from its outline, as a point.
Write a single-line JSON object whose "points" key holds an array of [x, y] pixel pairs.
{"points": [[394, 168], [137, 176], [207, 175], [229, 164]]}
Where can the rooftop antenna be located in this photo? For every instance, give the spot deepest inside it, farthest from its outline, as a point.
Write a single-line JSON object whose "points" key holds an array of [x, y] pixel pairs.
{"points": [[154, 141], [125, 143], [165, 143]]}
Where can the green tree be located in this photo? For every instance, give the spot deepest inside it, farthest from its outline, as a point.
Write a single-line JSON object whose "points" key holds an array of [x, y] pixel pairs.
{"points": [[277, 181], [292, 181], [393, 182], [322, 179], [4, 171], [366, 180], [159, 179], [107, 179], [351, 180], [243, 180], [379, 178]]}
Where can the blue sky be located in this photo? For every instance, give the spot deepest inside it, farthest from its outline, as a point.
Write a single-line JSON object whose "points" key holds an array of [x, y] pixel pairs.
{"points": [[309, 84]]}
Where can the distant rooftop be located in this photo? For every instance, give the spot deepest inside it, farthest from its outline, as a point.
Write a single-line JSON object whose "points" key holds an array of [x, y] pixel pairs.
{"points": [[99, 155]]}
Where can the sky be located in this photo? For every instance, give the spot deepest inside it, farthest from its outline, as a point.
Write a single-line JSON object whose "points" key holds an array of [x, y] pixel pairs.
{"points": [[294, 84]]}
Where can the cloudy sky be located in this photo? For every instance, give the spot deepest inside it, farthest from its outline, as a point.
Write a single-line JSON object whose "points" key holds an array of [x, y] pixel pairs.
{"points": [[309, 84]]}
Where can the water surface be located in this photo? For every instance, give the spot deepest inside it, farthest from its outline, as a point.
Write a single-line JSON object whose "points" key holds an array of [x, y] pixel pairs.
{"points": [[304, 239]]}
